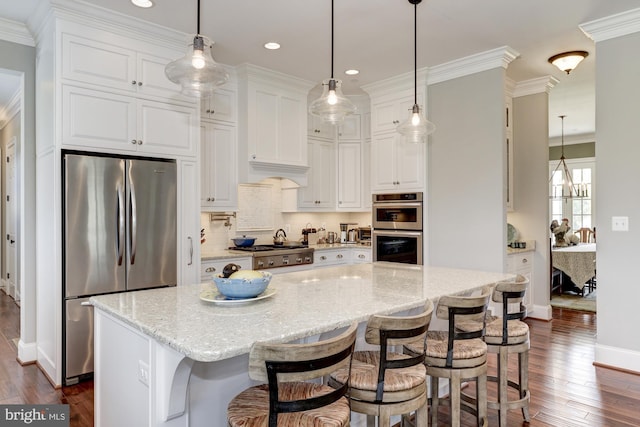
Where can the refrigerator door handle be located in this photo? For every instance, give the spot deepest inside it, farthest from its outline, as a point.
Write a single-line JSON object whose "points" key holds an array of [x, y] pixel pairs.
{"points": [[121, 225], [133, 221], [190, 251]]}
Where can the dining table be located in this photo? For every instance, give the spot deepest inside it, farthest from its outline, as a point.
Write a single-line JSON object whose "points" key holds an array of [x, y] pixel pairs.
{"points": [[576, 261]]}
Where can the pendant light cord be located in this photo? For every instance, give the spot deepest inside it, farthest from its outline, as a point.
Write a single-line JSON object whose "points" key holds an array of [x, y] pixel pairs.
{"points": [[415, 53], [331, 39], [198, 17]]}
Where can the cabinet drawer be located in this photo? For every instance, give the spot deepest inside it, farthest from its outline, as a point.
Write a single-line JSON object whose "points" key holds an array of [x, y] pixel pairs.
{"points": [[361, 256], [331, 257], [519, 262]]}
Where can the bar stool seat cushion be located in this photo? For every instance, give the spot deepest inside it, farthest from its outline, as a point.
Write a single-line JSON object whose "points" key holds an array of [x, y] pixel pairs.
{"points": [[466, 353], [251, 407], [364, 377]]}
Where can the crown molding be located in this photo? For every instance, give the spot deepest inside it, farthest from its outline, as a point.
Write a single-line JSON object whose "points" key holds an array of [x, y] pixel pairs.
{"points": [[613, 26], [534, 86], [397, 83], [483, 61], [251, 72], [15, 32]]}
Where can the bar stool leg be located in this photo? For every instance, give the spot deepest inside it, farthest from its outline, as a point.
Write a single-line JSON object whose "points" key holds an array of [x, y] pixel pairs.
{"points": [[503, 382], [422, 416], [435, 400], [455, 398], [371, 421], [523, 361], [481, 396]]}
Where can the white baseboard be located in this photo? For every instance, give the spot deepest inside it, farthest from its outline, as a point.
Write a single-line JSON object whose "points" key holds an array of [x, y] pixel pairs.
{"points": [[27, 352], [617, 357], [542, 312]]}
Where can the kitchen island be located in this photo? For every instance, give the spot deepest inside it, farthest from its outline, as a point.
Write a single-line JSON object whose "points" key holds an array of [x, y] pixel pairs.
{"points": [[164, 357]]}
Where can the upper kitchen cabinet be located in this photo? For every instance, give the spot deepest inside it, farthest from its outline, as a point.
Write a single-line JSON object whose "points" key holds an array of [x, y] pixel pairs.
{"points": [[272, 125], [99, 120], [350, 128], [319, 129], [218, 170], [222, 106], [87, 60], [387, 112], [319, 194]]}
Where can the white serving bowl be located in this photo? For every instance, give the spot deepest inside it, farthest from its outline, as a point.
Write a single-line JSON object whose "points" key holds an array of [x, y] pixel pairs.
{"points": [[242, 288]]}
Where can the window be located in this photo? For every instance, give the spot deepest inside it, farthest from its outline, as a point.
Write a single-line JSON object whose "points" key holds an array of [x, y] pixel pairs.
{"points": [[579, 210]]}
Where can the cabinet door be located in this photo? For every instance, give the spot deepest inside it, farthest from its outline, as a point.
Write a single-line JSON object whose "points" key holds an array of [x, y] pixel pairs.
{"points": [[349, 129], [219, 173], [264, 129], [349, 175], [388, 113], [366, 174], [220, 106], [189, 224], [320, 190], [410, 165], [292, 131], [151, 79], [97, 119], [98, 63], [167, 128], [383, 162], [318, 128]]}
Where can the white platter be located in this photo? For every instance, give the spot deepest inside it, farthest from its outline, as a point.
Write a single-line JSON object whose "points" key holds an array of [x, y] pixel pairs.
{"points": [[212, 295]]}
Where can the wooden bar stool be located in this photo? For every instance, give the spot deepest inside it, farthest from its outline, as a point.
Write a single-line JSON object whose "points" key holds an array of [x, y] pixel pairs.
{"points": [[384, 382], [505, 335], [291, 398], [459, 356]]}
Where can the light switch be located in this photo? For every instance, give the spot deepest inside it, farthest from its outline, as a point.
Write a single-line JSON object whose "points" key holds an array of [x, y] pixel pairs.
{"points": [[619, 223]]}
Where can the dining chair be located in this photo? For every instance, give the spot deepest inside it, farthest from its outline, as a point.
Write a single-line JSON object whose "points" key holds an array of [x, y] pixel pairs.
{"points": [[385, 382], [295, 393], [555, 279], [586, 235]]}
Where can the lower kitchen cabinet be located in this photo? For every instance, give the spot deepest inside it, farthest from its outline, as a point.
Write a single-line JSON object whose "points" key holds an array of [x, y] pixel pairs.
{"points": [[361, 255], [341, 256], [213, 267], [522, 263]]}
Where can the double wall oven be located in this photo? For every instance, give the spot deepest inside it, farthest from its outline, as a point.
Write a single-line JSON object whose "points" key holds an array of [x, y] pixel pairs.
{"points": [[397, 227]]}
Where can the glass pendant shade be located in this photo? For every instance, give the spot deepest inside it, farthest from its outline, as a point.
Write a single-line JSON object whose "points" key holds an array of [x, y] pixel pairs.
{"points": [[197, 72], [416, 127], [332, 105]]}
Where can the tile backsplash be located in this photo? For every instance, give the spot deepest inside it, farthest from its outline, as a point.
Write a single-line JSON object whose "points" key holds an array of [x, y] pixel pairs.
{"points": [[218, 236]]}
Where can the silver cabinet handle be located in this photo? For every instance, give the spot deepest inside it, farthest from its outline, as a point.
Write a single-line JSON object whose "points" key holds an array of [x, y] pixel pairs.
{"points": [[134, 142], [139, 83], [524, 260], [133, 82], [361, 256], [86, 304], [139, 142], [323, 258], [190, 251], [339, 256], [210, 270]]}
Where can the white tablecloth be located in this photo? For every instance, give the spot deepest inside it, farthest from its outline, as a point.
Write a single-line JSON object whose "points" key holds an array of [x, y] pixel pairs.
{"points": [[578, 262]]}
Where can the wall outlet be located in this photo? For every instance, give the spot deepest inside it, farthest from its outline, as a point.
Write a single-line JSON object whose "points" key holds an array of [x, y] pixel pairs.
{"points": [[619, 223], [143, 373]]}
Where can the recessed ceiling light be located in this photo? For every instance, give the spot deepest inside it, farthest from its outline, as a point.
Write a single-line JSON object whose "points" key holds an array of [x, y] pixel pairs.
{"points": [[352, 72], [272, 45], [142, 3]]}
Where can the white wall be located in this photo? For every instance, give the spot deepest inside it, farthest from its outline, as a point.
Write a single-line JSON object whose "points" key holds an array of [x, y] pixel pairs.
{"points": [[466, 180], [617, 163], [531, 187]]}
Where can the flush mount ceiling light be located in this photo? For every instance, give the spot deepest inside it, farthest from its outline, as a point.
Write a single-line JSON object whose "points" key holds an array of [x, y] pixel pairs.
{"points": [[352, 72], [568, 61], [142, 3], [197, 72], [416, 127], [332, 105]]}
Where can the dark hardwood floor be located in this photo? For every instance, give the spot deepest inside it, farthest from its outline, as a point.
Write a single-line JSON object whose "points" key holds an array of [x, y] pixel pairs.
{"points": [[566, 389]]}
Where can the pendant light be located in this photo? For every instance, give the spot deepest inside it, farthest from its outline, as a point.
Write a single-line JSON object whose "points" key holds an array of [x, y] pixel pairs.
{"points": [[568, 61], [416, 127], [197, 72], [332, 106], [568, 190]]}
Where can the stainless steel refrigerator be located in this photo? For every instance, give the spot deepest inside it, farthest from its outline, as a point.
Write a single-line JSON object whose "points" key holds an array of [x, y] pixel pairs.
{"points": [[119, 235]]}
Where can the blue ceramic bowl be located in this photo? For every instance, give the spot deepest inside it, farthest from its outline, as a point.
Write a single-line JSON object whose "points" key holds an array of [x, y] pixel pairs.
{"points": [[242, 288], [244, 241]]}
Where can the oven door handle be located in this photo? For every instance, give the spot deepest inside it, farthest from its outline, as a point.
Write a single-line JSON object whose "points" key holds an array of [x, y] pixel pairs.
{"points": [[397, 205], [398, 233]]}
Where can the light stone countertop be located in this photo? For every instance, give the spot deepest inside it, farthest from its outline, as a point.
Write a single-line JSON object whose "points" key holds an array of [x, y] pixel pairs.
{"points": [[306, 303], [230, 253]]}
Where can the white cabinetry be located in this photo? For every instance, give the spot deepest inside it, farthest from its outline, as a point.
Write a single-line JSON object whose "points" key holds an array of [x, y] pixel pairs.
{"points": [[389, 111], [522, 263], [272, 125], [361, 255], [319, 129], [319, 194], [189, 226], [210, 268], [350, 175], [86, 59], [112, 122], [221, 106], [396, 164], [218, 170], [331, 257], [350, 128]]}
